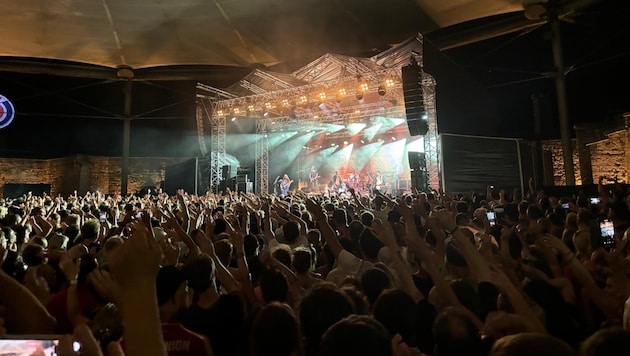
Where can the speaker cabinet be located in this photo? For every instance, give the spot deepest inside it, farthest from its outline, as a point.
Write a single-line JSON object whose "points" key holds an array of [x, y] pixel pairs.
{"points": [[417, 160], [415, 109]]}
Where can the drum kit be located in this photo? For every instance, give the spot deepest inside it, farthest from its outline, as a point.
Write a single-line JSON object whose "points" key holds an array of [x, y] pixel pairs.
{"points": [[360, 183]]}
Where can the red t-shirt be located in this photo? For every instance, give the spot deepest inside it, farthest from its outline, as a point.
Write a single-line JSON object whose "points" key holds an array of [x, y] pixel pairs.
{"points": [[57, 307], [181, 341]]}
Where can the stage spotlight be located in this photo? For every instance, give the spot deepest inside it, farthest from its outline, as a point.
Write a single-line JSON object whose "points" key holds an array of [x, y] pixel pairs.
{"points": [[322, 96], [362, 87], [285, 103], [268, 106], [381, 90], [362, 141], [220, 113], [266, 114], [345, 143], [236, 111], [340, 94], [233, 118], [389, 82]]}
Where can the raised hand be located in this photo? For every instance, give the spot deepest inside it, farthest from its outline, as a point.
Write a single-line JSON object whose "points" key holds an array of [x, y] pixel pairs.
{"points": [[137, 261], [556, 244], [105, 285], [170, 250], [384, 232]]}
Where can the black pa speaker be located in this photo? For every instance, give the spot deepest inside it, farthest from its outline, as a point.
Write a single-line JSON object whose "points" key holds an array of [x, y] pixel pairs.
{"points": [[415, 109], [419, 173], [417, 160]]}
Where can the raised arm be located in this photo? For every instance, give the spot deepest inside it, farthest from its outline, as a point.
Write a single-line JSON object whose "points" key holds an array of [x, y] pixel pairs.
{"points": [[604, 301], [322, 221], [224, 276], [182, 235], [416, 244], [24, 314], [385, 233], [134, 267]]}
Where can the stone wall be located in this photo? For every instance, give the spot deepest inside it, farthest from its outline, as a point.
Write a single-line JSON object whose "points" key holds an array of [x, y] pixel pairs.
{"points": [[559, 178], [24, 171], [609, 157], [84, 173]]}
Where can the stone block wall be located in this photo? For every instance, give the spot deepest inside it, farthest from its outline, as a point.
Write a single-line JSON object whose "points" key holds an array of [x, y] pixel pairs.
{"points": [[24, 171], [609, 157], [84, 173], [559, 178]]}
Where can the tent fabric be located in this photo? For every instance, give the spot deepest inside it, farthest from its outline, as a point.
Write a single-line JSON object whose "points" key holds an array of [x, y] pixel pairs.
{"points": [[242, 33]]}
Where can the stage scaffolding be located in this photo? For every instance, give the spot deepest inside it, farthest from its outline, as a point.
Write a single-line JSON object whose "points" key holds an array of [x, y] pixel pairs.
{"points": [[207, 99], [283, 102]]}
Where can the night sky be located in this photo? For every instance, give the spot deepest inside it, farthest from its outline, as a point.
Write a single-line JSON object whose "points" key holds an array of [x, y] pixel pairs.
{"points": [[482, 89]]}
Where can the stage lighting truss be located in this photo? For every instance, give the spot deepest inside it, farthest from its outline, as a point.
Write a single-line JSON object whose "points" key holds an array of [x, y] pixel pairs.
{"points": [[334, 85], [329, 98]]}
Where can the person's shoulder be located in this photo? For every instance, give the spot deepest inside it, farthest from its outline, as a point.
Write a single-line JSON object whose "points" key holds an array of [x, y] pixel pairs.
{"points": [[177, 331], [182, 341]]}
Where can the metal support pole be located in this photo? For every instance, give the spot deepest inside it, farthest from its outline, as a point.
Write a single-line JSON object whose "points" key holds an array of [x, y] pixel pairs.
{"points": [[124, 172], [563, 114], [538, 161]]}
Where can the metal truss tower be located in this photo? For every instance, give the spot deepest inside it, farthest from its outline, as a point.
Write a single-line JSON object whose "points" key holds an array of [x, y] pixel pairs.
{"points": [[431, 139], [262, 157], [207, 104]]}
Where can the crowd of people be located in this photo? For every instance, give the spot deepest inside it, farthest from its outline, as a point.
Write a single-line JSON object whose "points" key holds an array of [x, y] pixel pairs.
{"points": [[317, 274]]}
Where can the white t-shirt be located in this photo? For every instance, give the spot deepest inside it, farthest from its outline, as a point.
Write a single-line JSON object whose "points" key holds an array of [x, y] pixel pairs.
{"points": [[348, 264]]}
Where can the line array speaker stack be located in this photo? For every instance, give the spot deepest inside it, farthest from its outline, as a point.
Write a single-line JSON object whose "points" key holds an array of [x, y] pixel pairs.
{"points": [[419, 173], [415, 109]]}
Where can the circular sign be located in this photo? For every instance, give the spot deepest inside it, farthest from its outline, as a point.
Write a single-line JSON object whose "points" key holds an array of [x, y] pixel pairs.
{"points": [[7, 112]]}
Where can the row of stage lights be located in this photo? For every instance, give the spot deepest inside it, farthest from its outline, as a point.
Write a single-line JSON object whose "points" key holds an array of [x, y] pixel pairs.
{"points": [[303, 101], [346, 143]]}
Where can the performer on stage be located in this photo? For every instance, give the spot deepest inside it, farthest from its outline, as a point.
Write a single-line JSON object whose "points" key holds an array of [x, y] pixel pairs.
{"points": [[313, 178], [334, 182], [285, 183], [378, 180]]}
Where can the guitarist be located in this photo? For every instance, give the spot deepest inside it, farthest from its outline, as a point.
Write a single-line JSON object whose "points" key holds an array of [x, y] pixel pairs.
{"points": [[313, 178], [285, 183]]}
